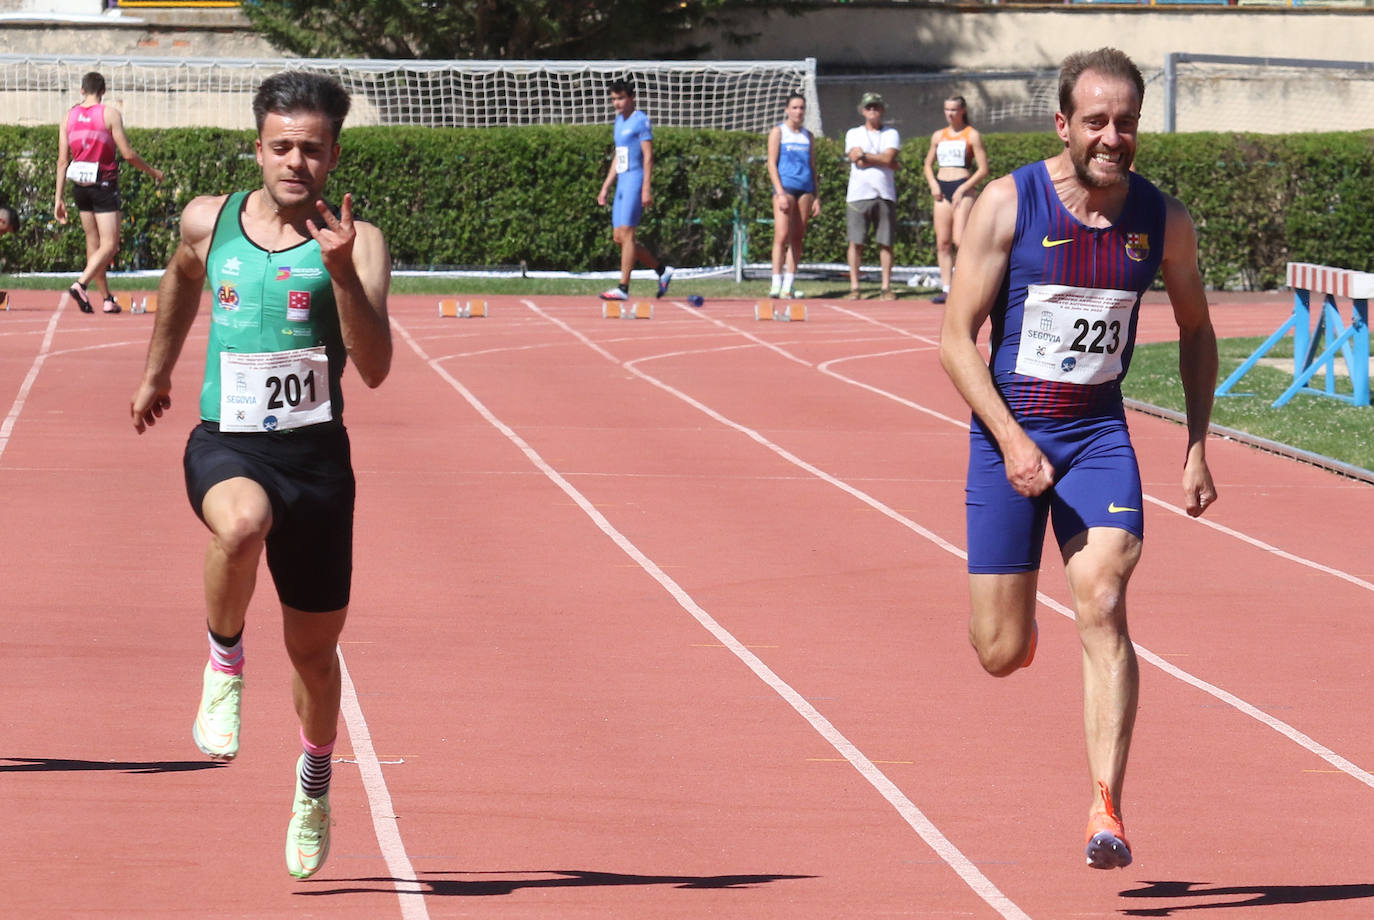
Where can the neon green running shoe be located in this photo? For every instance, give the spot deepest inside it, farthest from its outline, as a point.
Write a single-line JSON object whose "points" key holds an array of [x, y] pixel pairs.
{"points": [[307, 836], [216, 729]]}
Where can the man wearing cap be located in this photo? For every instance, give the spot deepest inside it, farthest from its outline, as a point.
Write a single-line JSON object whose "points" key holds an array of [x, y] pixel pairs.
{"points": [[872, 197]]}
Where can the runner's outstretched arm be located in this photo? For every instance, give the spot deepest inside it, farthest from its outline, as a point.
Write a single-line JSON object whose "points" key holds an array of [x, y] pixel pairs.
{"points": [[178, 302]]}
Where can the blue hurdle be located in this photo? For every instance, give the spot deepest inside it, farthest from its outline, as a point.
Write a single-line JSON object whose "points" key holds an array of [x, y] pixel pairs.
{"points": [[1350, 342]]}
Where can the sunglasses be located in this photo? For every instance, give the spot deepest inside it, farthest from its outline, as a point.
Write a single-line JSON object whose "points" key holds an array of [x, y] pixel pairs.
{"points": [[874, 105]]}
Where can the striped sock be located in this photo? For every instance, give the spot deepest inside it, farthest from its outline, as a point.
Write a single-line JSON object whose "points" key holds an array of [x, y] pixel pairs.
{"points": [[317, 768], [226, 655]]}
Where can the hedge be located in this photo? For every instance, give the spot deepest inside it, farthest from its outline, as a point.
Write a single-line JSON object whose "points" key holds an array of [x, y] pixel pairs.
{"points": [[449, 197]]}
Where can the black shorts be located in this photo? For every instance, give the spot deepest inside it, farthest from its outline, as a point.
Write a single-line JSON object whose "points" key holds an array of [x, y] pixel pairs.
{"points": [[949, 186], [99, 198], [308, 476]]}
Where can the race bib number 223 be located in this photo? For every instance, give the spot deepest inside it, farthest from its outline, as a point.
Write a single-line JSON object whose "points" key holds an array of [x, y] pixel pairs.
{"points": [[1073, 334]]}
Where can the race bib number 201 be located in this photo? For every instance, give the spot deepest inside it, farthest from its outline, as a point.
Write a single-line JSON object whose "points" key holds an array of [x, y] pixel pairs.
{"points": [[1073, 334], [274, 391]]}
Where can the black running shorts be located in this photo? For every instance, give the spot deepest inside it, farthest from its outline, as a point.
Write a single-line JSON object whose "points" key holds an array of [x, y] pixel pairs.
{"points": [[307, 474]]}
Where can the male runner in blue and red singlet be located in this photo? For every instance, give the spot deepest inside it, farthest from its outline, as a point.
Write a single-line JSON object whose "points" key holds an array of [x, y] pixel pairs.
{"points": [[1058, 254]]}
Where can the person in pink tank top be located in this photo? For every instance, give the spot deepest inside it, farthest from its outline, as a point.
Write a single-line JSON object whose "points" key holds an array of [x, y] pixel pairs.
{"points": [[88, 139]]}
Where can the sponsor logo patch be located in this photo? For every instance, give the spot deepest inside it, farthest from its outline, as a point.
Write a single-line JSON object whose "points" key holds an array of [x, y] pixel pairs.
{"points": [[298, 306]]}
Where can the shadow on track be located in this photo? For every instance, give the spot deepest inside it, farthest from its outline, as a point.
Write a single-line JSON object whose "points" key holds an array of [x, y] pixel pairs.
{"points": [[1249, 896], [563, 878]]}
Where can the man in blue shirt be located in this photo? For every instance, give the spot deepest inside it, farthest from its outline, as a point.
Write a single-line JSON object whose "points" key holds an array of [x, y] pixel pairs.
{"points": [[631, 172]]}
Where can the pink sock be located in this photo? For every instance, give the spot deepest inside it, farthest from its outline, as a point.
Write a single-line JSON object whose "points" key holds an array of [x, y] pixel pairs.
{"points": [[227, 658]]}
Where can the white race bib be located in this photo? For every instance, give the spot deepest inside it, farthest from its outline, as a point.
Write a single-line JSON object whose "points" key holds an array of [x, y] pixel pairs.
{"points": [[274, 390], [82, 173], [622, 159], [952, 153], [1073, 334]]}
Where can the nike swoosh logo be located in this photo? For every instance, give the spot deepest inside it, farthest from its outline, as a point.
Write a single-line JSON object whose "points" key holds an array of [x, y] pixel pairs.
{"points": [[1114, 508], [1050, 244]]}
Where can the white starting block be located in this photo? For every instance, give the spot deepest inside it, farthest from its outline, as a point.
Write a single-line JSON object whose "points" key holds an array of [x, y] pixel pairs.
{"points": [[147, 304], [782, 312], [624, 309], [462, 309]]}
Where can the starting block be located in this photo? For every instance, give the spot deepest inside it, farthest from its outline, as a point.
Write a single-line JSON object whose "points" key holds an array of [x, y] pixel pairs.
{"points": [[461, 309], [146, 304], [782, 312], [624, 309], [4, 300]]}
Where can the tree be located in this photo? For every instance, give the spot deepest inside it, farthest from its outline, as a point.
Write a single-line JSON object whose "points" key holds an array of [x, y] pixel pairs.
{"points": [[496, 29]]}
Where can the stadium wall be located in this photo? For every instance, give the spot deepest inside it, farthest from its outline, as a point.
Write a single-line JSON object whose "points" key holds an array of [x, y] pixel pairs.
{"points": [[855, 37], [916, 54]]}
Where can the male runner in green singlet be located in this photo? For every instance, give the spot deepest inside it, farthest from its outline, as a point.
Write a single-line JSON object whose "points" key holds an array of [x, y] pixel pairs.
{"points": [[297, 290]]}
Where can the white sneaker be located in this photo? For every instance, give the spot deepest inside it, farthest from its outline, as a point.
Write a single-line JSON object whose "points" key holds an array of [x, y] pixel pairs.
{"points": [[307, 836], [216, 729], [775, 291], [663, 280], [614, 293]]}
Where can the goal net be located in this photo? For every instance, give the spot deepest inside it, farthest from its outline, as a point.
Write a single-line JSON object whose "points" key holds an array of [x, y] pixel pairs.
{"points": [[179, 92]]}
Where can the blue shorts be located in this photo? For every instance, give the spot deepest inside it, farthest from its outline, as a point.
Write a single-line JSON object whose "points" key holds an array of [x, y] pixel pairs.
{"points": [[628, 206], [1097, 484]]}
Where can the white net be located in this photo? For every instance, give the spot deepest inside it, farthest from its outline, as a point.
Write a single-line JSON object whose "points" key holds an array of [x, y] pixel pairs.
{"points": [[1267, 95], [180, 92]]}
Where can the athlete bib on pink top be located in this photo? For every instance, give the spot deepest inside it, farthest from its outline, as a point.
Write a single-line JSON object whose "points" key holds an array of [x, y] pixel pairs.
{"points": [[92, 142]]}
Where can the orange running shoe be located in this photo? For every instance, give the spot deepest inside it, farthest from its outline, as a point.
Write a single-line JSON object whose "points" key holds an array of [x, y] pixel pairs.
{"points": [[1107, 844]]}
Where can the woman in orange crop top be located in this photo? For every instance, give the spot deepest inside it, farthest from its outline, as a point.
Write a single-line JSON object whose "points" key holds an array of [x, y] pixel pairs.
{"points": [[955, 166]]}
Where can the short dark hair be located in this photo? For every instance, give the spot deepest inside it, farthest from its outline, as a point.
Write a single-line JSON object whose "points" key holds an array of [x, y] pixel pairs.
{"points": [[11, 216], [1107, 61], [300, 91], [621, 85], [93, 84]]}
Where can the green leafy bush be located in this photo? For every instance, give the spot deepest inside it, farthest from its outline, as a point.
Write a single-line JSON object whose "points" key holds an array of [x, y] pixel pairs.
{"points": [[447, 196]]}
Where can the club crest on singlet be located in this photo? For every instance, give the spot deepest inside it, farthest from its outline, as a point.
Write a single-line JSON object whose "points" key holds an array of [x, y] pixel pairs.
{"points": [[1137, 246], [227, 297]]}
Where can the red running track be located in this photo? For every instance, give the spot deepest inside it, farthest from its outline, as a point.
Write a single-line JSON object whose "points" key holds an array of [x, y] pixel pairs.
{"points": [[664, 619]]}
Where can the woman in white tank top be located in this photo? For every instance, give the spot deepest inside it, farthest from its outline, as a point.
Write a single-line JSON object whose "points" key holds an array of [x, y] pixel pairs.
{"points": [[792, 170], [955, 165]]}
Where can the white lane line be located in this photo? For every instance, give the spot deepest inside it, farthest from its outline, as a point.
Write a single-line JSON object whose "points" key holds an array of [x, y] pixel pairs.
{"points": [[1283, 728], [44, 349], [914, 817], [409, 891]]}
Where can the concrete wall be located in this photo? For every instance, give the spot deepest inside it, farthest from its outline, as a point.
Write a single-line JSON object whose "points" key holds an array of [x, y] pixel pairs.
{"points": [[936, 51], [915, 37]]}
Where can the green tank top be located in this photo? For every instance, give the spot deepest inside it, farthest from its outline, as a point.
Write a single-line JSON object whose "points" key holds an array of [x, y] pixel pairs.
{"points": [[267, 302]]}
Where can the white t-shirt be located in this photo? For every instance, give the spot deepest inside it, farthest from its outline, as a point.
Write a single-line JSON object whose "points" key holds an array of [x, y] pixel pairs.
{"points": [[872, 181]]}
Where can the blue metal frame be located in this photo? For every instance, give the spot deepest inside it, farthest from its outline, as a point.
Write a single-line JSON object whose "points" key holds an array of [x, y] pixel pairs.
{"points": [[1351, 342]]}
